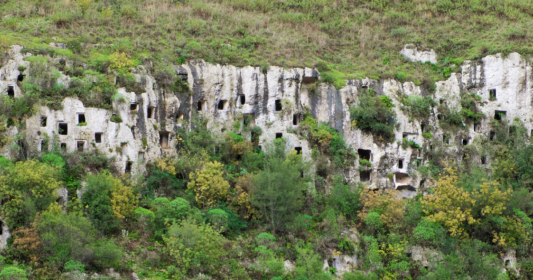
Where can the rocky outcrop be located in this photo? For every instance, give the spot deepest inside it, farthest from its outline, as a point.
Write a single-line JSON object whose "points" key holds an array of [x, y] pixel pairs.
{"points": [[276, 101], [411, 51]]}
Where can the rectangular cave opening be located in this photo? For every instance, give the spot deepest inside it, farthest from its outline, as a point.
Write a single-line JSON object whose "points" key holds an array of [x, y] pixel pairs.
{"points": [[201, 105], [63, 128], [80, 145], [43, 121], [249, 120], [180, 117], [81, 118], [464, 142], [483, 160], [279, 135], [151, 112], [20, 77], [364, 176], [41, 146], [129, 164], [499, 115], [133, 106], [364, 154], [492, 134], [98, 137], [400, 163], [11, 91], [1, 228], [63, 146], [446, 139], [422, 182], [492, 94], [309, 80], [222, 105], [401, 178], [296, 119], [298, 150], [242, 99], [163, 139], [476, 127], [278, 105], [423, 127]]}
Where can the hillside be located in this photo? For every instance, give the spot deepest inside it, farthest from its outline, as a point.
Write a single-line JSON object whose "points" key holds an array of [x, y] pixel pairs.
{"points": [[283, 140]]}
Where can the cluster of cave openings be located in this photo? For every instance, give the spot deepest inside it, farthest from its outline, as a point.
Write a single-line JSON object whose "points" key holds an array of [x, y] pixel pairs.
{"points": [[80, 145], [499, 115], [492, 94], [163, 139], [134, 106], [400, 163], [202, 105], [62, 128], [364, 176], [298, 150], [222, 105], [11, 91], [151, 112], [98, 137], [129, 164], [242, 99], [401, 178], [81, 118], [365, 154], [278, 105], [296, 119], [43, 121], [279, 135]]}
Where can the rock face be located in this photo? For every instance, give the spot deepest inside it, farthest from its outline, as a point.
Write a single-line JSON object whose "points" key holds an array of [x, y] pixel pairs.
{"points": [[276, 101], [410, 51]]}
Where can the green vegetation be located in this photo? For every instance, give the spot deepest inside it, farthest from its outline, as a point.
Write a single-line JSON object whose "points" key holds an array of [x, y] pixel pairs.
{"points": [[374, 114]]}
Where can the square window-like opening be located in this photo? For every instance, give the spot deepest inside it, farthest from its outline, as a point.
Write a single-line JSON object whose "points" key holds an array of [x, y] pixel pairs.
{"points": [[133, 106], [483, 160], [298, 150], [63, 128], [364, 154], [98, 137], [129, 164], [163, 139], [400, 164], [201, 105], [43, 121], [476, 127], [63, 146], [492, 94], [81, 118], [151, 112], [309, 80], [222, 105], [499, 115], [439, 116], [10, 91], [464, 142], [80, 146], [278, 105], [364, 176], [279, 135], [242, 99], [20, 77]]}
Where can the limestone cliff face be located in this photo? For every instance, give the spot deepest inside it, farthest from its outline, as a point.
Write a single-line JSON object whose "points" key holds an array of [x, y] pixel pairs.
{"points": [[276, 101]]}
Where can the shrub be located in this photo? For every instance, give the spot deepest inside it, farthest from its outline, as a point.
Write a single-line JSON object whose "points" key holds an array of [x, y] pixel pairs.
{"points": [[218, 218], [12, 273], [209, 184], [374, 115], [418, 106]]}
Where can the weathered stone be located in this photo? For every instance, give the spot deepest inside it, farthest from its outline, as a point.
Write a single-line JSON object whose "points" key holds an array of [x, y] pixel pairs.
{"points": [[410, 51]]}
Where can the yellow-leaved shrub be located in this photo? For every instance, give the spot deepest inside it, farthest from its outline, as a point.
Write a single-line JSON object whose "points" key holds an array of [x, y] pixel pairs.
{"points": [[209, 184]]}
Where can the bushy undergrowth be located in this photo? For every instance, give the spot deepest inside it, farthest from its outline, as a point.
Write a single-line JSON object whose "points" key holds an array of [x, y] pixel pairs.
{"points": [[374, 114]]}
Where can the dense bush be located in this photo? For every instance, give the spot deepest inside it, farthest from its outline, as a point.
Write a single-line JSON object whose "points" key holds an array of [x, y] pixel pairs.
{"points": [[374, 114]]}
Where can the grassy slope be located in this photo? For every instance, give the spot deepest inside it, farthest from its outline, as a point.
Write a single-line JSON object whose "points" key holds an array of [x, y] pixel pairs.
{"points": [[355, 38]]}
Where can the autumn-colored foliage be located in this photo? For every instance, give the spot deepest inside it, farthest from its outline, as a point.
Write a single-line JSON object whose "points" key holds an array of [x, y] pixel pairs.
{"points": [[209, 184]]}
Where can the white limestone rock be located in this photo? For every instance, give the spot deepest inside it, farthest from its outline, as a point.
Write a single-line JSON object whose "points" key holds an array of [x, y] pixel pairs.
{"points": [[410, 51]]}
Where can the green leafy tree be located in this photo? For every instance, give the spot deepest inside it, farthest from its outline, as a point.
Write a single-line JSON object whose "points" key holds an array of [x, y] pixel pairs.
{"points": [[209, 184], [12, 273], [374, 114], [195, 247], [277, 192]]}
